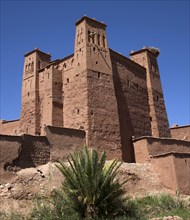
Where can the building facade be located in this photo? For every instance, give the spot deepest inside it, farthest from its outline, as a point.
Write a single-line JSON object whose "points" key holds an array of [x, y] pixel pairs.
{"points": [[109, 96]]}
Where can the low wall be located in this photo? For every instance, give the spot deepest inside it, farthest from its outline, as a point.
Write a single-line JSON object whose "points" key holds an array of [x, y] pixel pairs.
{"points": [[35, 151], [146, 147], [10, 148], [30, 151], [9, 127], [170, 159], [64, 141], [181, 133], [17, 152]]}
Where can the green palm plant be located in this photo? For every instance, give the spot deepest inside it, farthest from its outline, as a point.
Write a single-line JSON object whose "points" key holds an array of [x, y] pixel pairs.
{"points": [[90, 187]]}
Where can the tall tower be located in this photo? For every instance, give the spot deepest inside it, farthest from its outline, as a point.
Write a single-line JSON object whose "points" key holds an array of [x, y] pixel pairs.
{"points": [[29, 121], [89, 100], [147, 57]]}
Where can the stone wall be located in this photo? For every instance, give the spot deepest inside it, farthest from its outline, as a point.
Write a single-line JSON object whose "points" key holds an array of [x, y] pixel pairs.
{"points": [[9, 127], [181, 132], [170, 158]]}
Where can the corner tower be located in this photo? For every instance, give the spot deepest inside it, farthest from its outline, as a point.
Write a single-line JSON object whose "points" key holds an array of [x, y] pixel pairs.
{"points": [[29, 121], [147, 57]]}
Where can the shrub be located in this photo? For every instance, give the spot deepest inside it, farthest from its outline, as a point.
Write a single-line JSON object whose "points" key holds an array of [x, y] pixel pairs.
{"points": [[90, 187]]}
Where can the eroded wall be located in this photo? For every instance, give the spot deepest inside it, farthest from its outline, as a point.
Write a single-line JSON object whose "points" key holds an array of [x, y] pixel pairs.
{"points": [[30, 151], [10, 147]]}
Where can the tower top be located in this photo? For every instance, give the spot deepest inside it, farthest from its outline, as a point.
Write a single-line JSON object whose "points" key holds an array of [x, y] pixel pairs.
{"points": [[38, 51], [90, 20], [153, 50]]}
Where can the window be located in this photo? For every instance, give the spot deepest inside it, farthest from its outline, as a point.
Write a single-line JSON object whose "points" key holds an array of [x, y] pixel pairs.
{"points": [[88, 36], [103, 41], [98, 39]]}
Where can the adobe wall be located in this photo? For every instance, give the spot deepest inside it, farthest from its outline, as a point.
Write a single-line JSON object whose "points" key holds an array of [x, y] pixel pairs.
{"points": [[174, 171], [63, 141], [23, 151], [182, 168], [35, 151], [131, 94], [170, 158], [9, 127], [159, 121], [181, 133], [30, 151], [103, 121], [45, 100], [146, 147], [10, 147], [164, 167]]}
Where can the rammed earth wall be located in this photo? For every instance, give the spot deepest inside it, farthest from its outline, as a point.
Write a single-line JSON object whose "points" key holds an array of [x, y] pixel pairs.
{"points": [[170, 158], [30, 151]]}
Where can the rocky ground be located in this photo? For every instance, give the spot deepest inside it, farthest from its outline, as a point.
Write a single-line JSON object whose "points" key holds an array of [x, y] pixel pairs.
{"points": [[17, 192]]}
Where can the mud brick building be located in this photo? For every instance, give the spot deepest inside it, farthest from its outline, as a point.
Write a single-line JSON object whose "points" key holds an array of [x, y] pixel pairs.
{"points": [[95, 89], [97, 97]]}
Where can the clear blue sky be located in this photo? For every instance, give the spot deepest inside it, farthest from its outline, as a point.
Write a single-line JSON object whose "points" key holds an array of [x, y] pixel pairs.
{"points": [[50, 26]]}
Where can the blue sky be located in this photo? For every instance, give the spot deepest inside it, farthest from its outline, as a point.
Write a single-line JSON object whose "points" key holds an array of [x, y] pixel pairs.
{"points": [[50, 26]]}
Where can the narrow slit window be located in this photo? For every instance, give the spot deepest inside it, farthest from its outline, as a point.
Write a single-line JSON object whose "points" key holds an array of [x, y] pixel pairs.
{"points": [[88, 36], [103, 41], [98, 39]]}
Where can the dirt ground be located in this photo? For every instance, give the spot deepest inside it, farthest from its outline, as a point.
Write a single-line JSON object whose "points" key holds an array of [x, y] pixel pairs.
{"points": [[19, 189]]}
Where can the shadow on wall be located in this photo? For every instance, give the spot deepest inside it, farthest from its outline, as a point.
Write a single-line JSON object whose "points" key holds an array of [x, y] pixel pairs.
{"points": [[126, 129], [35, 151]]}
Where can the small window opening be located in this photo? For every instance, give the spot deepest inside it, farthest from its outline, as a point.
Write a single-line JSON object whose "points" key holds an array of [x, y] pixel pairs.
{"points": [[96, 62], [28, 93], [92, 113], [78, 64], [39, 64], [94, 49], [88, 36], [137, 87], [156, 98], [93, 35], [78, 111], [67, 80], [98, 75], [98, 39], [103, 41]]}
